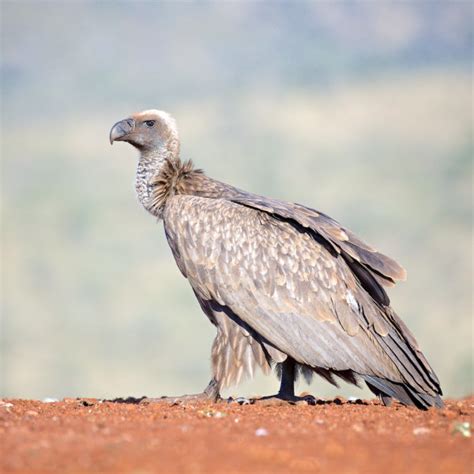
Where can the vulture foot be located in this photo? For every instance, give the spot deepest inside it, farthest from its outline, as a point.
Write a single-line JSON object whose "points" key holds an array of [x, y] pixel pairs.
{"points": [[286, 394], [210, 394], [285, 399], [275, 400]]}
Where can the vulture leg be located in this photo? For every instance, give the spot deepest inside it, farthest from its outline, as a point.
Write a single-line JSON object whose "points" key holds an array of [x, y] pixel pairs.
{"points": [[286, 394], [210, 394], [287, 381]]}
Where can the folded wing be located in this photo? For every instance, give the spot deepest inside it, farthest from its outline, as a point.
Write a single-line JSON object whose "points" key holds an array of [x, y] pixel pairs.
{"points": [[297, 278]]}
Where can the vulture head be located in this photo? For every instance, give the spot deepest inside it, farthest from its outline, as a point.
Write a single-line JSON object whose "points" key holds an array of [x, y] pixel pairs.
{"points": [[147, 131]]}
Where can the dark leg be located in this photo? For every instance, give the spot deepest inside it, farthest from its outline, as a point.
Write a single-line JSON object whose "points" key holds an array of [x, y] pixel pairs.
{"points": [[286, 394], [288, 376], [210, 393], [287, 385]]}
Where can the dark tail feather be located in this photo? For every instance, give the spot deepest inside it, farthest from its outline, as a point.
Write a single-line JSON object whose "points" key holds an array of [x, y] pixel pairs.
{"points": [[386, 390]]}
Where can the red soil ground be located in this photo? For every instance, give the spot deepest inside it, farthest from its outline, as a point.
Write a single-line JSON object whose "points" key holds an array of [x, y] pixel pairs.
{"points": [[79, 436]]}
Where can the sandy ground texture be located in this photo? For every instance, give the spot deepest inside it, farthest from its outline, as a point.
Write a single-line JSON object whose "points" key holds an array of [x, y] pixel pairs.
{"points": [[86, 435]]}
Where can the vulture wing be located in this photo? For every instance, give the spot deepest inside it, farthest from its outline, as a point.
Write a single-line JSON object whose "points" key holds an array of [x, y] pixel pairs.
{"points": [[373, 269], [289, 275]]}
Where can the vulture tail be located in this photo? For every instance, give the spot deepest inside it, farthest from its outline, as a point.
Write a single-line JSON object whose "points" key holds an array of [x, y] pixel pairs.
{"points": [[387, 389]]}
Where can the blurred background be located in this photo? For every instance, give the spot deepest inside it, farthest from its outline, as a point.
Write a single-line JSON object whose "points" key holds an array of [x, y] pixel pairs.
{"points": [[359, 109]]}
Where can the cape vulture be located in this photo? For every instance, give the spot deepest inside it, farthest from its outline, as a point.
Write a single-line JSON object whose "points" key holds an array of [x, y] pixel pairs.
{"points": [[283, 284]]}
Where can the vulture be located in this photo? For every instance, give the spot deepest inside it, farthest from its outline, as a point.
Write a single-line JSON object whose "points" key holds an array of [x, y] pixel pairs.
{"points": [[286, 286]]}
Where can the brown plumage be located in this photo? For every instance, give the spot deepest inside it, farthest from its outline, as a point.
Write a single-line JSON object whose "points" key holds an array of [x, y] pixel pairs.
{"points": [[283, 283]]}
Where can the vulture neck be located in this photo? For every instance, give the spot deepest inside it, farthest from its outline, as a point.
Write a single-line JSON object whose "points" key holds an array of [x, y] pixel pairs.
{"points": [[150, 165]]}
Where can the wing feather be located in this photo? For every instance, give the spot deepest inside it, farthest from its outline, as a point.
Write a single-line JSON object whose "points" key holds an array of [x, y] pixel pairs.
{"points": [[383, 270]]}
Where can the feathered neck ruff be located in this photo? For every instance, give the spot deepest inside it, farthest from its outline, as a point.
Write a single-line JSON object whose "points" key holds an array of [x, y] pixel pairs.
{"points": [[175, 177]]}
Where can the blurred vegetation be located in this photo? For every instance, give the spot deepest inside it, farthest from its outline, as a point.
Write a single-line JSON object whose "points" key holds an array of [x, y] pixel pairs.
{"points": [[359, 109]]}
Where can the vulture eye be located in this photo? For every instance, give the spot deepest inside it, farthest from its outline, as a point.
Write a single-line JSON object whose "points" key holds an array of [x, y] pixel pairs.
{"points": [[149, 123]]}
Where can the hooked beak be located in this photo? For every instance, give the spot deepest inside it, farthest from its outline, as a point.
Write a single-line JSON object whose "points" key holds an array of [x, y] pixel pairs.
{"points": [[121, 129]]}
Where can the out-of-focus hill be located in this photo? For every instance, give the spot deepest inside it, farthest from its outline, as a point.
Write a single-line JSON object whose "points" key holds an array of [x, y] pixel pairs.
{"points": [[360, 110]]}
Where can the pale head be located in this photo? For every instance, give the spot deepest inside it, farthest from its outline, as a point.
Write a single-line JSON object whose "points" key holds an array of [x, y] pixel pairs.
{"points": [[147, 131], [154, 134]]}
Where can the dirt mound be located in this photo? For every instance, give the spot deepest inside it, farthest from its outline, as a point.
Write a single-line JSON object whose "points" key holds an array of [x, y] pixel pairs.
{"points": [[337, 437]]}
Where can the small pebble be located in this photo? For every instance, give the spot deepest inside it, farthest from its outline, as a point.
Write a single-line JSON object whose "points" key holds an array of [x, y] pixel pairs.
{"points": [[242, 401], [210, 413], [261, 432], [421, 431], [50, 400], [357, 427], [464, 428], [85, 403]]}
